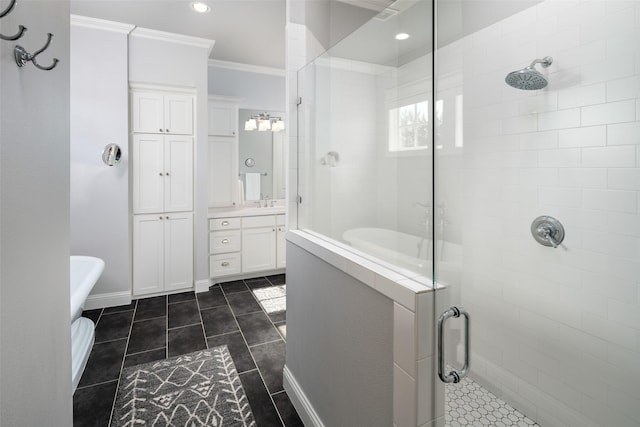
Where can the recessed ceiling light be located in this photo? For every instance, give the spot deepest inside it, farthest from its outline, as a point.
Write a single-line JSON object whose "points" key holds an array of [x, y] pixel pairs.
{"points": [[402, 36], [200, 7]]}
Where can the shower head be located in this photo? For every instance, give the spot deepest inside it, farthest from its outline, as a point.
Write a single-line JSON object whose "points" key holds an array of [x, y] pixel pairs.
{"points": [[529, 78]]}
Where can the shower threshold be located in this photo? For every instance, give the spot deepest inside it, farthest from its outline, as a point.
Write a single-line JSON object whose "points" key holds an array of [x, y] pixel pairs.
{"points": [[468, 404]]}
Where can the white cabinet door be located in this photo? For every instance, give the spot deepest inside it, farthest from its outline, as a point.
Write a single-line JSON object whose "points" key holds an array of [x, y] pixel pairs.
{"points": [[281, 245], [148, 173], [223, 119], [147, 113], [223, 172], [178, 178], [148, 256], [155, 112], [178, 251], [178, 114], [258, 249]]}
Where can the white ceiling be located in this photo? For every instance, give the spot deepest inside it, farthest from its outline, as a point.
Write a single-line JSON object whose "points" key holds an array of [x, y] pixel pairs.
{"points": [[245, 31], [253, 31]]}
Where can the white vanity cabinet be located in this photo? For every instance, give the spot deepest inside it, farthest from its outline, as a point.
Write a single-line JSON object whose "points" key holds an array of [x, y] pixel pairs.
{"points": [[162, 173], [281, 242], [162, 252], [157, 112], [258, 243], [246, 246]]}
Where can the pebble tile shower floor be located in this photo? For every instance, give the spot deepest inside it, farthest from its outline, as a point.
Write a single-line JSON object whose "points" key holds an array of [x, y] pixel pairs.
{"points": [[246, 315], [468, 404]]}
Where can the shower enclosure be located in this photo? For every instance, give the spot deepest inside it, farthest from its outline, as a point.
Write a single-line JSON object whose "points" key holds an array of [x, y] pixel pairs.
{"points": [[431, 156]]}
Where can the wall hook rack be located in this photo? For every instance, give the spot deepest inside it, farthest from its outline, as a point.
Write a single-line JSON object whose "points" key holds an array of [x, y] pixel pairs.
{"points": [[21, 28], [22, 56]]}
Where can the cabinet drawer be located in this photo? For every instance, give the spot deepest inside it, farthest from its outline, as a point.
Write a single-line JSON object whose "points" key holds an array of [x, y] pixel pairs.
{"points": [[280, 220], [224, 223], [224, 241], [224, 264], [259, 221]]}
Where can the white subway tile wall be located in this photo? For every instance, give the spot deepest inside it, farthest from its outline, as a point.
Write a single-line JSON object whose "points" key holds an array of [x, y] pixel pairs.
{"points": [[556, 332]]}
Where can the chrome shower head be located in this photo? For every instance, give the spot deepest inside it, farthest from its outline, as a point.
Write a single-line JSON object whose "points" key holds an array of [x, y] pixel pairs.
{"points": [[529, 78]]}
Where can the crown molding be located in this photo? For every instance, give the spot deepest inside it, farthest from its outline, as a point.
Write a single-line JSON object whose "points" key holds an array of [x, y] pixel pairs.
{"points": [[101, 24], [174, 38], [237, 66], [351, 65]]}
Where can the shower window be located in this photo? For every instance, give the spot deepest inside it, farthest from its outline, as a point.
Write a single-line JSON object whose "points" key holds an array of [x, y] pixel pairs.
{"points": [[409, 127]]}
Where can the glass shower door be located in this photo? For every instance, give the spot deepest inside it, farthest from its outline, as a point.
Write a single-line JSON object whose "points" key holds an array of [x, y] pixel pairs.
{"points": [[536, 211]]}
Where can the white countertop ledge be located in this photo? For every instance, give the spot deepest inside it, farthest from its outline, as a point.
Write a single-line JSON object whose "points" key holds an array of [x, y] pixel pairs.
{"points": [[402, 286], [244, 211]]}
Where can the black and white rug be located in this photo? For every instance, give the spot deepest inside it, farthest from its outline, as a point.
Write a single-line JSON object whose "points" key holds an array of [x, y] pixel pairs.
{"points": [[195, 389]]}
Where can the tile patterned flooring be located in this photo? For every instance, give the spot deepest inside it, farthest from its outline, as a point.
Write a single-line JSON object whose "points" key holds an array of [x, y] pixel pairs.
{"points": [[469, 404], [247, 315]]}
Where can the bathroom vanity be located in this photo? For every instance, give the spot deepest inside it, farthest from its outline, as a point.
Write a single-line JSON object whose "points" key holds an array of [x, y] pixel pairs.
{"points": [[246, 242]]}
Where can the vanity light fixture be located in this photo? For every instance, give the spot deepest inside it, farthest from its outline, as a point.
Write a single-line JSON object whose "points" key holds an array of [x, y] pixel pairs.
{"points": [[200, 7], [402, 36], [264, 122], [250, 124]]}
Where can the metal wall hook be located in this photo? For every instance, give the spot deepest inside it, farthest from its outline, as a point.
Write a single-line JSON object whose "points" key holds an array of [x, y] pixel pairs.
{"points": [[22, 56], [8, 9], [21, 28]]}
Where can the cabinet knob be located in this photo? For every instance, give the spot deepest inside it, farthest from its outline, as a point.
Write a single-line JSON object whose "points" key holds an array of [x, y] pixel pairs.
{"points": [[225, 241], [161, 174], [160, 217], [161, 130], [225, 222], [225, 264], [166, 130], [273, 229], [166, 217], [167, 173]]}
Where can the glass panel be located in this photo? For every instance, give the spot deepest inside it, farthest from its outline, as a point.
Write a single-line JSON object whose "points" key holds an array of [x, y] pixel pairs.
{"points": [[555, 333], [365, 150]]}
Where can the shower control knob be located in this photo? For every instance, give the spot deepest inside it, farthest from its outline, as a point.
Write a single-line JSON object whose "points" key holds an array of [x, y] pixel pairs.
{"points": [[547, 231]]}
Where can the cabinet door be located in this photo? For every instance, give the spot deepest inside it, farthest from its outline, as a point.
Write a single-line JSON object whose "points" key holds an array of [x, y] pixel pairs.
{"points": [[258, 249], [222, 120], [281, 244], [178, 178], [178, 114], [148, 271], [223, 172], [147, 112], [178, 251], [148, 173]]}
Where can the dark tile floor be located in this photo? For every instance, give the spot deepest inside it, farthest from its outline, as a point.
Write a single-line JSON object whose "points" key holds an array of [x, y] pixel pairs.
{"points": [[240, 314]]}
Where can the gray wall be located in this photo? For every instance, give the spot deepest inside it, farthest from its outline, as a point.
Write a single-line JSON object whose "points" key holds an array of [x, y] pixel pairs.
{"points": [[339, 343], [257, 90], [99, 116], [35, 333]]}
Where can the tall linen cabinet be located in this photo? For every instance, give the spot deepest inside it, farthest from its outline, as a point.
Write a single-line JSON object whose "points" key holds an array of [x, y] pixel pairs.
{"points": [[162, 189]]}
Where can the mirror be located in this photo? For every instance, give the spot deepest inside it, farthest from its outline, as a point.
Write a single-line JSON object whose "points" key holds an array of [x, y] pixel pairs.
{"points": [[261, 154]]}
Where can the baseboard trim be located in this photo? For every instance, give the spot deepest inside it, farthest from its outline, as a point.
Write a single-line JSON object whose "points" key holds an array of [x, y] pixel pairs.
{"points": [[202, 285], [299, 400], [111, 299]]}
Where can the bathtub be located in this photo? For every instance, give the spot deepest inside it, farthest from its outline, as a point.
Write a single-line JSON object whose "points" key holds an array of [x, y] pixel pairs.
{"points": [[84, 272], [407, 251]]}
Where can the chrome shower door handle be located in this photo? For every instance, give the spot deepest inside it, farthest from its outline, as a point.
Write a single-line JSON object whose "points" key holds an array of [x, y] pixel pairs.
{"points": [[453, 376]]}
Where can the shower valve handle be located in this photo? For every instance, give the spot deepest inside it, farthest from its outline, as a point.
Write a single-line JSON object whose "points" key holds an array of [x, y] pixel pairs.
{"points": [[545, 233]]}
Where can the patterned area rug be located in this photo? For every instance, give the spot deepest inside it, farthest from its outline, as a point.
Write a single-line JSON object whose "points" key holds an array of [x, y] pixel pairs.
{"points": [[195, 389]]}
